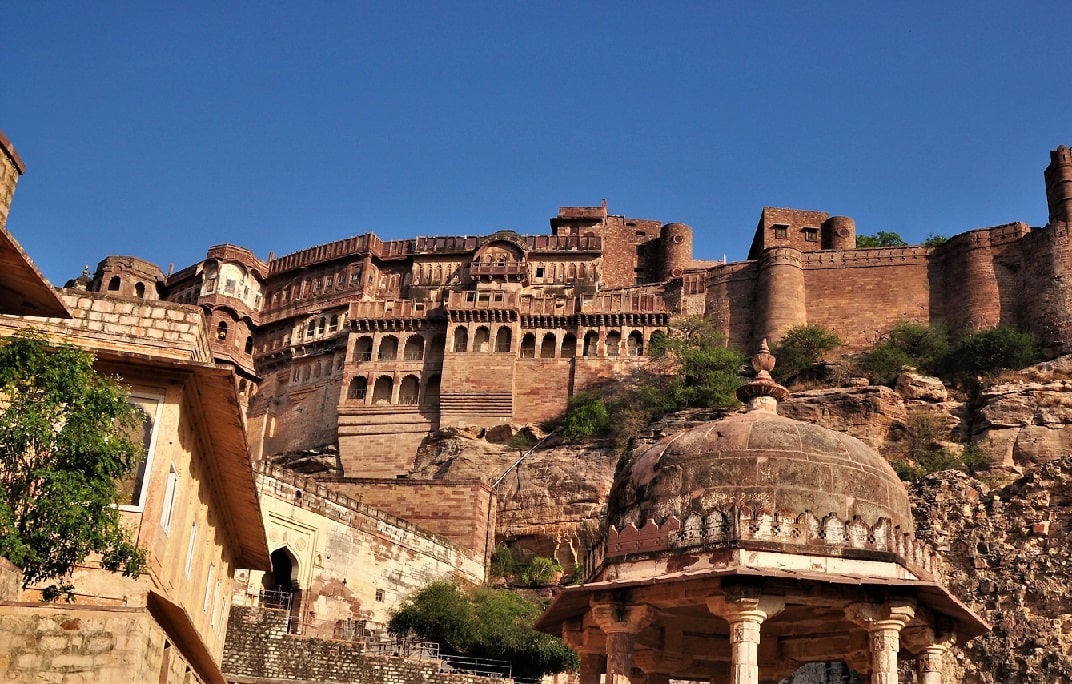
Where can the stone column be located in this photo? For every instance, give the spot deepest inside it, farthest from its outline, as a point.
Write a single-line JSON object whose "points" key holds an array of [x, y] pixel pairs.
{"points": [[884, 623], [929, 664], [620, 623], [745, 616], [592, 667]]}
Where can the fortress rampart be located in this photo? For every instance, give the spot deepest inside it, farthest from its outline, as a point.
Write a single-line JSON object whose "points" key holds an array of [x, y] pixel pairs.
{"points": [[372, 345]]}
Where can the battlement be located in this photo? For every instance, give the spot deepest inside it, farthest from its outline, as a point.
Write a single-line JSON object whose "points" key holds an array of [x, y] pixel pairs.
{"points": [[803, 531]]}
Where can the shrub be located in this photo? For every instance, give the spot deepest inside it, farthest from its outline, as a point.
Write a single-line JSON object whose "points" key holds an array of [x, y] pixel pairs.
{"points": [[586, 416], [907, 344], [502, 561], [540, 570], [990, 351], [935, 240], [801, 349], [483, 623]]}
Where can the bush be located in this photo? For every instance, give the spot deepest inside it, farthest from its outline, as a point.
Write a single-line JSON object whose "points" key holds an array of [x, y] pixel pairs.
{"points": [[927, 452], [801, 349], [502, 561], [990, 351], [586, 416], [917, 345], [540, 571], [483, 623], [935, 240]]}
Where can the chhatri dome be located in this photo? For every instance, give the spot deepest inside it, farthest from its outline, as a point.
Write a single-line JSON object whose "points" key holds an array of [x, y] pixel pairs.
{"points": [[743, 548]]}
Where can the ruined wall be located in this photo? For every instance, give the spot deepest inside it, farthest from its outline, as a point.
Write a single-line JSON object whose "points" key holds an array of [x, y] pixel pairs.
{"points": [[462, 511], [261, 650], [105, 645], [354, 563]]}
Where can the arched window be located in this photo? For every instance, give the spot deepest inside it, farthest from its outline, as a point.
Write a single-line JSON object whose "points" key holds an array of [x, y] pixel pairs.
{"points": [[363, 349], [113, 284], [634, 344], [528, 346], [482, 339], [614, 344], [139, 290], [503, 339], [569, 346], [310, 330], [461, 339], [414, 349], [409, 390], [249, 344], [320, 325], [547, 347], [591, 343], [357, 389], [333, 324], [381, 393], [388, 349], [221, 330]]}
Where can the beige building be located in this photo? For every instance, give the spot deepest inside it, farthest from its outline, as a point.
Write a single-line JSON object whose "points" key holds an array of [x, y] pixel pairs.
{"points": [[192, 503]]}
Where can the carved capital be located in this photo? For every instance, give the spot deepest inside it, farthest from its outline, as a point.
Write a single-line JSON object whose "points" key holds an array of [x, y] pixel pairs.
{"points": [[752, 609], [893, 614], [619, 617]]}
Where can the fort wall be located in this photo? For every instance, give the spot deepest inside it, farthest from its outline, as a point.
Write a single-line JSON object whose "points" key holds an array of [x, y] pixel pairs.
{"points": [[462, 511]]}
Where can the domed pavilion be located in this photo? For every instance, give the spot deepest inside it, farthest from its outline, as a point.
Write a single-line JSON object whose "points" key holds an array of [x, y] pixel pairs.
{"points": [[741, 549]]}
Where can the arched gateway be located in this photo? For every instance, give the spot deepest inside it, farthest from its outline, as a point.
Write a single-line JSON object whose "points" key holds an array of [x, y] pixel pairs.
{"points": [[743, 548]]}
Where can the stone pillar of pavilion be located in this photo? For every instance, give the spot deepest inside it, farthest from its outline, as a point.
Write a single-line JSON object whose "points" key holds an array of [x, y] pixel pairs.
{"points": [[884, 622], [621, 623], [592, 667], [745, 615], [930, 646]]}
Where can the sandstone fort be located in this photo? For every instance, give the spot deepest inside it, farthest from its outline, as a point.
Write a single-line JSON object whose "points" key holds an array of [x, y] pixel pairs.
{"points": [[300, 480]]}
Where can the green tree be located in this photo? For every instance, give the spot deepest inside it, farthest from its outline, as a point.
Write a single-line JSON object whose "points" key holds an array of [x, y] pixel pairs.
{"points": [[586, 416], [883, 238], [801, 349], [65, 445], [934, 240], [483, 623]]}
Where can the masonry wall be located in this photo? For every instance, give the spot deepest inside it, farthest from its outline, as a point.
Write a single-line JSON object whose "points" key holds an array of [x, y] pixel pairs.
{"points": [[383, 441], [260, 650], [462, 511], [541, 389], [354, 563], [861, 294], [70, 643]]}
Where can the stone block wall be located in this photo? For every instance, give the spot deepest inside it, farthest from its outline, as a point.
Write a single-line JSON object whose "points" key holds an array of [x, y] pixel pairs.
{"points": [[167, 331], [462, 511], [260, 650], [98, 645]]}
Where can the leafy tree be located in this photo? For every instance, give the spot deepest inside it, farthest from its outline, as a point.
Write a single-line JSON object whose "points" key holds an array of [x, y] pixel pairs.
{"points": [[934, 240], [483, 623], [883, 238], [801, 348], [65, 445], [541, 570]]}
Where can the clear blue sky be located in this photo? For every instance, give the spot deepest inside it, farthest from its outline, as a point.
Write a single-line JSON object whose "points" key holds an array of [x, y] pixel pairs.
{"points": [[159, 129]]}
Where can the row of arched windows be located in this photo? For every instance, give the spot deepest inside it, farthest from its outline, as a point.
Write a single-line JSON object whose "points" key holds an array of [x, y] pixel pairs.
{"points": [[383, 391], [546, 347], [222, 331], [319, 326]]}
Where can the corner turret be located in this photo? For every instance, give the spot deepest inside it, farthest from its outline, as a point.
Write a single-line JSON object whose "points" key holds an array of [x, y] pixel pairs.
{"points": [[1059, 185]]}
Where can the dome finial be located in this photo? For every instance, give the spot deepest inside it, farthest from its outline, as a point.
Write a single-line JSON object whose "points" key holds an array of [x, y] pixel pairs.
{"points": [[762, 392]]}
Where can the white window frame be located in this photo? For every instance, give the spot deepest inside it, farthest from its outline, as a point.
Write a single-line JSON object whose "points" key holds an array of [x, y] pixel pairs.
{"points": [[170, 494], [190, 549], [150, 451], [208, 586]]}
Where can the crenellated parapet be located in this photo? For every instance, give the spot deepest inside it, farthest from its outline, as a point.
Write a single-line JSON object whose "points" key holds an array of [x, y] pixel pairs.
{"points": [[827, 535]]}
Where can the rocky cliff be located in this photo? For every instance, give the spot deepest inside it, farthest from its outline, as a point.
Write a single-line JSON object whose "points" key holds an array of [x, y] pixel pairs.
{"points": [[1004, 533]]}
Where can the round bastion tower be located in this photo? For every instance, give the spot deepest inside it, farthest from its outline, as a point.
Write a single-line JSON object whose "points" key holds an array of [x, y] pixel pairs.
{"points": [[1058, 177], [676, 250], [780, 293], [839, 232]]}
